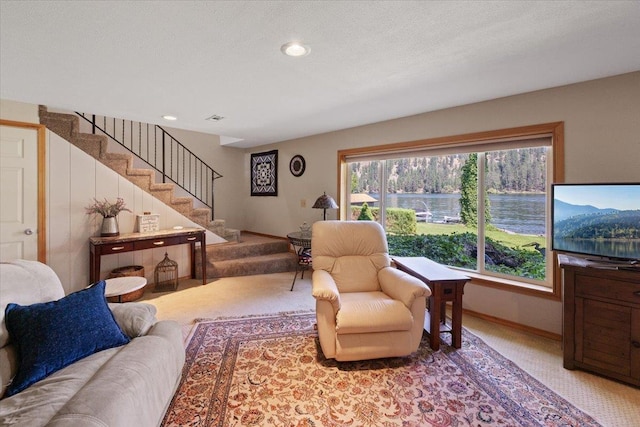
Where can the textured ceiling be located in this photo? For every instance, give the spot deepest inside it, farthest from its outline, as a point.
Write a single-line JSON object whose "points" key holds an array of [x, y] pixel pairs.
{"points": [[369, 61]]}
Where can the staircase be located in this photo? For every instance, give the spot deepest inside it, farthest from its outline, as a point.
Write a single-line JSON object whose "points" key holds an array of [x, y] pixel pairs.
{"points": [[253, 254], [67, 126]]}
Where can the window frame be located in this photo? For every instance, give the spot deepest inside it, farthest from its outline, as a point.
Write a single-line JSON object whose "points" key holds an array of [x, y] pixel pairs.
{"points": [[454, 143]]}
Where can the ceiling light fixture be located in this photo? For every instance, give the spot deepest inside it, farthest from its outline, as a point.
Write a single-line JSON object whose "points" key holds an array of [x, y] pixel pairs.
{"points": [[295, 49], [170, 118]]}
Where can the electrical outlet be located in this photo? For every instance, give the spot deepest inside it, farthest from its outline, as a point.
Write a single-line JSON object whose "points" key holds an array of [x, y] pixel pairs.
{"points": [[303, 203]]}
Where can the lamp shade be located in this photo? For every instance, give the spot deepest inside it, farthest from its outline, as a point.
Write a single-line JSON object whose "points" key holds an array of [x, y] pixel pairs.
{"points": [[325, 202]]}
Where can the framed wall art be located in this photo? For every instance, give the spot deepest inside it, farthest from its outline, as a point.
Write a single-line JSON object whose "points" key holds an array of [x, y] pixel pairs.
{"points": [[264, 173]]}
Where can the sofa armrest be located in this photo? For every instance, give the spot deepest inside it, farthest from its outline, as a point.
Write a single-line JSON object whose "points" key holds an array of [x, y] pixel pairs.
{"points": [[134, 318], [401, 286], [324, 288]]}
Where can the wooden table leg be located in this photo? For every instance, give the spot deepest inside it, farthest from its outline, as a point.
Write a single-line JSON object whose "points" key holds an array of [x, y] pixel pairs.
{"points": [[203, 253], [456, 317], [94, 264], [192, 246], [435, 306]]}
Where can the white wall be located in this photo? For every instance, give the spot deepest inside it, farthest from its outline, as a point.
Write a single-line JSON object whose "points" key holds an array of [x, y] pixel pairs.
{"points": [[602, 143]]}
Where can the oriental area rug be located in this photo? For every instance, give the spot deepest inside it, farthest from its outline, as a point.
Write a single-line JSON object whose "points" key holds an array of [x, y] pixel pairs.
{"points": [[270, 371]]}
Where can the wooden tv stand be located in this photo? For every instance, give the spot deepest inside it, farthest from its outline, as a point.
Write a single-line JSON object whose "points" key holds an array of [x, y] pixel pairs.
{"points": [[601, 331]]}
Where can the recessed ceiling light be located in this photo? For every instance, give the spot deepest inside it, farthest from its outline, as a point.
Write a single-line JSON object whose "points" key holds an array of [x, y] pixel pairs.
{"points": [[295, 49], [168, 117]]}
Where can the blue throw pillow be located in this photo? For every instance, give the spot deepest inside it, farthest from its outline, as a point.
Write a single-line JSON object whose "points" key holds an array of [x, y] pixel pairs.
{"points": [[49, 336]]}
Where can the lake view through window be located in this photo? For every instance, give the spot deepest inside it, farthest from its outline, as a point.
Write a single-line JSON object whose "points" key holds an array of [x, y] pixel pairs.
{"points": [[482, 210]]}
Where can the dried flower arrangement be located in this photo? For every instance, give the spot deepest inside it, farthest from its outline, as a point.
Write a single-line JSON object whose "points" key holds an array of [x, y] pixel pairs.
{"points": [[106, 208]]}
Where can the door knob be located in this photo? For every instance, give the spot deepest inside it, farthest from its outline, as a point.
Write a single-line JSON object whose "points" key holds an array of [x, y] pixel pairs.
{"points": [[28, 232]]}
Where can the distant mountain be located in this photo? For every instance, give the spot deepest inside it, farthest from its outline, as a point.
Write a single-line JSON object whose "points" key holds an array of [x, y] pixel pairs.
{"points": [[600, 225], [563, 210]]}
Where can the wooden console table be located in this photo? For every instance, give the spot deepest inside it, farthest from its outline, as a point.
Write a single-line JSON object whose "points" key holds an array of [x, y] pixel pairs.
{"points": [[100, 246], [446, 285]]}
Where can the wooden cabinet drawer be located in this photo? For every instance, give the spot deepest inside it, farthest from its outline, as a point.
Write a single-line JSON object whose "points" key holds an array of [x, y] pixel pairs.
{"points": [[599, 287], [114, 248], [157, 243], [190, 239]]}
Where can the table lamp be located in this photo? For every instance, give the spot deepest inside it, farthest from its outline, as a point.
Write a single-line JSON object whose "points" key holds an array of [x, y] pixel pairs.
{"points": [[325, 202]]}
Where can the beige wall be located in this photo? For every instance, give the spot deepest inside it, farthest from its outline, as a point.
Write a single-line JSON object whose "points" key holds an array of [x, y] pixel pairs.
{"points": [[602, 143], [19, 111]]}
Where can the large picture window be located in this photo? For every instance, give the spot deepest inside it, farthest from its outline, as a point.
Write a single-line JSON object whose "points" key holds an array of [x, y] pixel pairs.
{"points": [[478, 202]]}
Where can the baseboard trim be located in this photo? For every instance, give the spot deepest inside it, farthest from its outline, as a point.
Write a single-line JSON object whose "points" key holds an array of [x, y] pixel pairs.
{"points": [[514, 325], [271, 236]]}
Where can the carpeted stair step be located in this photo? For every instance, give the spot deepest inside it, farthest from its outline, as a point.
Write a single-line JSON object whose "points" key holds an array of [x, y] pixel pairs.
{"points": [[202, 216], [248, 266], [94, 145], [249, 246], [65, 125], [119, 162]]}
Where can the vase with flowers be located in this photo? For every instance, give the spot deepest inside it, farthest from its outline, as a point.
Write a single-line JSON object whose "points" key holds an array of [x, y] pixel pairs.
{"points": [[109, 211]]}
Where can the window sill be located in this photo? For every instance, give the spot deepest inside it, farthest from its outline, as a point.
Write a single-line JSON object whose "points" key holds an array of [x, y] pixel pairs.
{"points": [[513, 285]]}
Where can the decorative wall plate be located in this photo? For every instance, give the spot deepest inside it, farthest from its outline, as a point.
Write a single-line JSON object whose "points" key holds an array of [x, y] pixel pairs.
{"points": [[297, 165]]}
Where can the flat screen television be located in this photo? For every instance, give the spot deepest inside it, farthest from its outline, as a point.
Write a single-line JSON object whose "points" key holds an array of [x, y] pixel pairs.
{"points": [[599, 220]]}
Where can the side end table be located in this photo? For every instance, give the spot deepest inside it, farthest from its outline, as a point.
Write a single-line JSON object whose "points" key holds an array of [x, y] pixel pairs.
{"points": [[124, 289], [301, 241], [446, 285]]}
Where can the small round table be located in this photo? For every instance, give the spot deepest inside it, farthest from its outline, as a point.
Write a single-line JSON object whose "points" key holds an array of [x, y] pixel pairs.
{"points": [[301, 241], [124, 289]]}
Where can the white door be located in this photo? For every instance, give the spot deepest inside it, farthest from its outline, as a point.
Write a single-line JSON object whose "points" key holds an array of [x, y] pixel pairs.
{"points": [[18, 193]]}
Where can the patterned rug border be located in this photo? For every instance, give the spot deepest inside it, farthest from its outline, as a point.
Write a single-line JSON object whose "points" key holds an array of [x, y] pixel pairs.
{"points": [[200, 320], [253, 316], [472, 372]]}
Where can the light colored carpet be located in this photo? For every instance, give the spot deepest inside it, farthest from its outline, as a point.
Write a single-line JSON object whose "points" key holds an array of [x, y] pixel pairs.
{"points": [[612, 403]]}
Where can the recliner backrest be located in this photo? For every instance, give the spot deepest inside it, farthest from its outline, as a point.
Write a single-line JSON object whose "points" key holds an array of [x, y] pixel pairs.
{"points": [[352, 252]]}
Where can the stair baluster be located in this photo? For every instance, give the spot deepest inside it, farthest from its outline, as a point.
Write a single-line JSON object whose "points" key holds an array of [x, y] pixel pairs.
{"points": [[184, 174]]}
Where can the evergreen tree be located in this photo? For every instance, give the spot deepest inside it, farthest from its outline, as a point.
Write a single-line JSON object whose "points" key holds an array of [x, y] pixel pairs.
{"points": [[469, 191], [365, 213], [469, 194], [354, 183]]}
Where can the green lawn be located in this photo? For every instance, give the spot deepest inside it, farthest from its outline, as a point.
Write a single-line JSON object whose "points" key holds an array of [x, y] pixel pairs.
{"points": [[508, 239]]}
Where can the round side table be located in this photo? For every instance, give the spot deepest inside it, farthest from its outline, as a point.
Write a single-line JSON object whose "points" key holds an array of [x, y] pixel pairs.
{"points": [[124, 289], [301, 241]]}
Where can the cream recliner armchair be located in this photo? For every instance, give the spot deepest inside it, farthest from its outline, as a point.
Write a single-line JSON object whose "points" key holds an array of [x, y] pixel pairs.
{"points": [[365, 309]]}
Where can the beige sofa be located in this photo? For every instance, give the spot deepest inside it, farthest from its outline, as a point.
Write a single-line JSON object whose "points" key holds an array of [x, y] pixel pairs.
{"points": [[365, 309], [129, 385]]}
